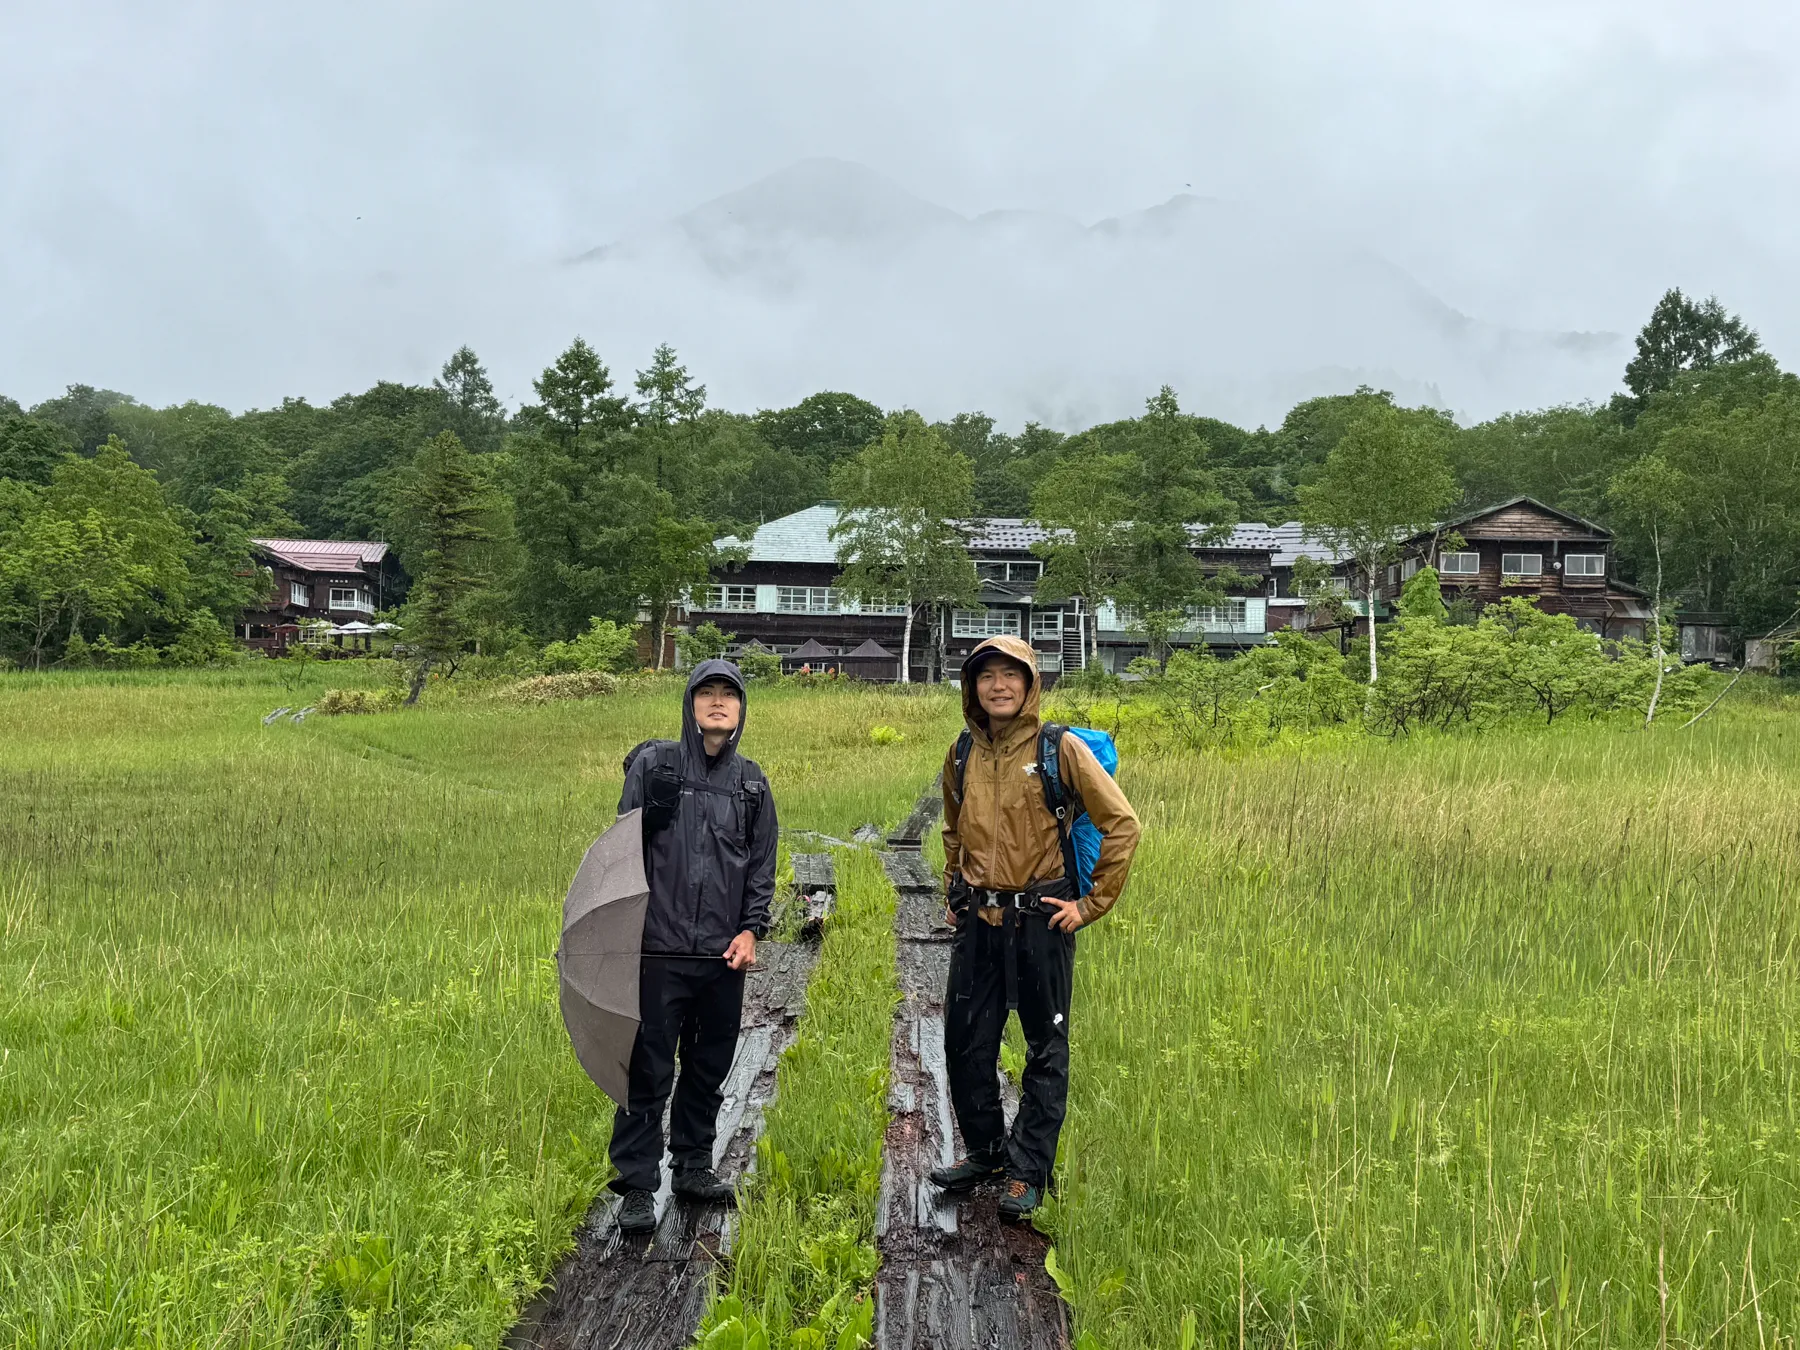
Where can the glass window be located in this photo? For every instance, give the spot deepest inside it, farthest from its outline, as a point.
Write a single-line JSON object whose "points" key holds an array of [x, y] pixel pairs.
{"points": [[1409, 569], [1585, 565], [348, 597], [1009, 571], [1459, 564], [1229, 616], [983, 623], [737, 599], [1047, 623], [1522, 564], [299, 594], [808, 600]]}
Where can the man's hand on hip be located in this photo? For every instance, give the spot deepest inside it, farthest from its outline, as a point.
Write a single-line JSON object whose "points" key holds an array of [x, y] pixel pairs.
{"points": [[742, 951], [1064, 914]]}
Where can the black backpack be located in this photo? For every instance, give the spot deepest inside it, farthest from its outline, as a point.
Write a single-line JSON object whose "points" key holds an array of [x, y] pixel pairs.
{"points": [[663, 782], [1049, 772]]}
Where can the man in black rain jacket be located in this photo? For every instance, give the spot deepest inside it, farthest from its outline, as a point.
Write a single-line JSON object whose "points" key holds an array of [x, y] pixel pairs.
{"points": [[709, 852]]}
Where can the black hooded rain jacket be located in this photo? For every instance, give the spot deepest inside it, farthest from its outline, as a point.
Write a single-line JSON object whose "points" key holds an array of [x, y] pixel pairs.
{"points": [[712, 867]]}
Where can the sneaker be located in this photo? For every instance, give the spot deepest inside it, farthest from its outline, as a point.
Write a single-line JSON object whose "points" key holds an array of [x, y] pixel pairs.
{"points": [[1018, 1200], [637, 1212], [702, 1186], [965, 1175]]}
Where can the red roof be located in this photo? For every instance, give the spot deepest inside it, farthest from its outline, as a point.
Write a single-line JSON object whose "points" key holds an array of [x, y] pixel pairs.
{"points": [[325, 555]]}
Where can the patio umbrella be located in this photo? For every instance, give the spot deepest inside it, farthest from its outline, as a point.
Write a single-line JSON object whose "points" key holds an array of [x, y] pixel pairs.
{"points": [[602, 942]]}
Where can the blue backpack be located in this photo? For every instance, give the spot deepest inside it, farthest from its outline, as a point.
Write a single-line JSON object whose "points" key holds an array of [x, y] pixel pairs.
{"points": [[1081, 837]]}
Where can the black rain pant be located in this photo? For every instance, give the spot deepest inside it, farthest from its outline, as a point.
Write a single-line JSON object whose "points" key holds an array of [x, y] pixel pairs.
{"points": [[691, 1005], [974, 1021]]}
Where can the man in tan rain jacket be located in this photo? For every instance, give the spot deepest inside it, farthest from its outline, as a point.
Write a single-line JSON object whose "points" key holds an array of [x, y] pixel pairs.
{"points": [[1016, 914]]}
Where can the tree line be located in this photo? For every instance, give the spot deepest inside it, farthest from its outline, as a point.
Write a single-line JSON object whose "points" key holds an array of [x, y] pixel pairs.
{"points": [[125, 529]]}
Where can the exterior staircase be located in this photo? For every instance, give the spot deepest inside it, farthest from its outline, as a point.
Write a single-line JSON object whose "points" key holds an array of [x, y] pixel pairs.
{"points": [[1074, 639]]}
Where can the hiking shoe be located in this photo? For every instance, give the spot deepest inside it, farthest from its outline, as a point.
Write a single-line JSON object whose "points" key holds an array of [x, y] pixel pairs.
{"points": [[637, 1212], [965, 1175], [702, 1186], [1018, 1200]]}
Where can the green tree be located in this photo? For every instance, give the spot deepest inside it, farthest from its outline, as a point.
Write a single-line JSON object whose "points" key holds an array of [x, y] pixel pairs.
{"points": [[473, 410], [823, 429], [449, 511], [85, 413], [576, 396], [99, 550], [1650, 495], [1685, 335], [669, 557], [1387, 478], [898, 536], [670, 405], [1175, 504], [1083, 504], [30, 448]]}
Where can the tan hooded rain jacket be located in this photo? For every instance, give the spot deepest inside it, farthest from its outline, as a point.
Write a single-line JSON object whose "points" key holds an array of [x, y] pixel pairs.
{"points": [[1001, 836]]}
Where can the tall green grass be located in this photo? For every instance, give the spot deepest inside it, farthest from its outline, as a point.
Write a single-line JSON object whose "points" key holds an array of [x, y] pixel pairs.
{"points": [[804, 1262], [1450, 1042], [280, 1058]]}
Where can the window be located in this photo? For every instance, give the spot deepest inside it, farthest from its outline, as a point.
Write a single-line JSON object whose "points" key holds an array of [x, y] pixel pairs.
{"points": [[1009, 571], [737, 599], [1393, 575], [1228, 617], [1409, 569], [1522, 564], [349, 597], [1046, 624], [1315, 590], [808, 600], [983, 623], [1585, 565], [875, 607], [1459, 564], [299, 594]]}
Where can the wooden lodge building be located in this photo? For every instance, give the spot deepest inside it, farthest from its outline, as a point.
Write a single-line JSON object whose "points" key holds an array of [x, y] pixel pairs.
{"points": [[781, 596], [1523, 547], [329, 580]]}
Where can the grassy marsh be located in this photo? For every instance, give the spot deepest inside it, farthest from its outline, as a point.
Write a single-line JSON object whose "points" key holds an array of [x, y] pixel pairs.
{"points": [[280, 1059]]}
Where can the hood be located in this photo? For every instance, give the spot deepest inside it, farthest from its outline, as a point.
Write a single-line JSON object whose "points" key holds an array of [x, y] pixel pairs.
{"points": [[1019, 651], [691, 740]]}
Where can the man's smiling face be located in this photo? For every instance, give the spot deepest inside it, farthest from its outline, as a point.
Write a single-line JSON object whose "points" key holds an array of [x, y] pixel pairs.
{"points": [[718, 706], [1000, 688]]}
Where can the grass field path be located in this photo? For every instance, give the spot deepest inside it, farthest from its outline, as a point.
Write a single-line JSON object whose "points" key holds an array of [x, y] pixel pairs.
{"points": [[952, 1276]]}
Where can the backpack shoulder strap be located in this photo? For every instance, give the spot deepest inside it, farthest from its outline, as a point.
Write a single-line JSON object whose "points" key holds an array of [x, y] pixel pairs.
{"points": [[1056, 801], [959, 761]]}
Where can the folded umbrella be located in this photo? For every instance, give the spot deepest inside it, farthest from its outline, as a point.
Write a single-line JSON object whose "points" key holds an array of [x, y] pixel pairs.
{"points": [[602, 943]]}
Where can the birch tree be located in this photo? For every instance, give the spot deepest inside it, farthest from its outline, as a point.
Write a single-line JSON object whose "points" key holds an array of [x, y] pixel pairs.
{"points": [[899, 534], [1385, 480]]}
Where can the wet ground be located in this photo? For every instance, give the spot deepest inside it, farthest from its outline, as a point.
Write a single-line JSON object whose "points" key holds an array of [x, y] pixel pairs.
{"points": [[615, 1292], [953, 1277]]}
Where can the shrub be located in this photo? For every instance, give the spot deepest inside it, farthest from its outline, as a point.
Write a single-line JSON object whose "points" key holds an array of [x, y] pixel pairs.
{"points": [[551, 688], [605, 646], [707, 641], [886, 736], [334, 702], [759, 663], [204, 641]]}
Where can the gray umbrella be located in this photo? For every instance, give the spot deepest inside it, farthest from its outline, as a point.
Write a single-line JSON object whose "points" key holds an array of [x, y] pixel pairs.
{"points": [[602, 943]]}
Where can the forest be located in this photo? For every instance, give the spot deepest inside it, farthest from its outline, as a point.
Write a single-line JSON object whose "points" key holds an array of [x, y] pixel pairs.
{"points": [[125, 529]]}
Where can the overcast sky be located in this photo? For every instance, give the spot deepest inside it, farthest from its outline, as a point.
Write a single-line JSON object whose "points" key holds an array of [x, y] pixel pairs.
{"points": [[232, 202]]}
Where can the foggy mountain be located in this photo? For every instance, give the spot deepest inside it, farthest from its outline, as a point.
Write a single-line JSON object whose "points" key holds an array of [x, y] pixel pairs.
{"points": [[829, 275]]}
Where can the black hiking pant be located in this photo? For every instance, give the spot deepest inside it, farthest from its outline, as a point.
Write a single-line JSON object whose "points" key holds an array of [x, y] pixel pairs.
{"points": [[975, 1008], [691, 1006]]}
